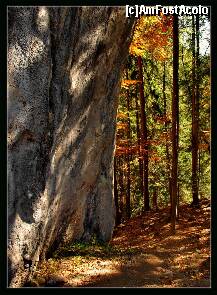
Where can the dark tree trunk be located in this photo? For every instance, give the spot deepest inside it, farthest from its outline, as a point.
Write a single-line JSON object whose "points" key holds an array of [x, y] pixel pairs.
{"points": [[117, 207], [198, 99], [138, 133], [195, 109], [128, 199], [121, 187], [175, 110], [144, 136], [167, 136], [178, 201], [64, 65]]}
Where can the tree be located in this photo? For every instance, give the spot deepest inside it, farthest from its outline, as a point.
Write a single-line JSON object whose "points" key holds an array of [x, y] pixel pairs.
{"points": [[166, 121], [175, 114], [138, 133], [195, 108], [144, 136], [151, 36], [128, 199], [151, 41], [116, 199], [64, 66]]}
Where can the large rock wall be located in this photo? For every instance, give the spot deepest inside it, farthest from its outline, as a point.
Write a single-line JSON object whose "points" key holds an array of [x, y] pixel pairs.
{"points": [[64, 65]]}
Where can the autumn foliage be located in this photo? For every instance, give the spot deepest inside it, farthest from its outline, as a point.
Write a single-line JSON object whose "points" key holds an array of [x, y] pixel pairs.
{"points": [[153, 34]]}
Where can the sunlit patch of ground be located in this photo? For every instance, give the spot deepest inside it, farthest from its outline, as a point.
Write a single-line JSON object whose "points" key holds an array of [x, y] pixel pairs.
{"points": [[141, 254]]}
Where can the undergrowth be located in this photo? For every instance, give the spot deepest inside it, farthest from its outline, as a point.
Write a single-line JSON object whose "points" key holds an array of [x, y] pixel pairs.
{"points": [[93, 248]]}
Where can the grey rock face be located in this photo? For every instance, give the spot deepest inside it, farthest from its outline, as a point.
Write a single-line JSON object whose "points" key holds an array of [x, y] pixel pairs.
{"points": [[64, 65]]}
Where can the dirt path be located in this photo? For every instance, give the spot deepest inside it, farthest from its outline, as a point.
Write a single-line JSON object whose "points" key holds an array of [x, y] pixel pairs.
{"points": [[142, 253]]}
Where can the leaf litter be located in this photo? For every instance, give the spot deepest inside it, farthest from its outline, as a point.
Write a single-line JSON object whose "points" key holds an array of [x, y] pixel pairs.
{"points": [[142, 253]]}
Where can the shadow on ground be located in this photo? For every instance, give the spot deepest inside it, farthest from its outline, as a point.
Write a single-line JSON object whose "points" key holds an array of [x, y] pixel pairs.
{"points": [[142, 253]]}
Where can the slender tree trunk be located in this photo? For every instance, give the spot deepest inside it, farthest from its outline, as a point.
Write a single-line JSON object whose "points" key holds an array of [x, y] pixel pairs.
{"points": [[128, 198], [117, 219], [121, 187], [198, 95], [167, 137], [144, 136], [178, 202], [138, 132], [177, 138], [64, 64], [195, 102], [175, 107]]}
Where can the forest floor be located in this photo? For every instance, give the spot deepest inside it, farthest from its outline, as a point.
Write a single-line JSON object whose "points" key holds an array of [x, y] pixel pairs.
{"points": [[142, 253]]}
